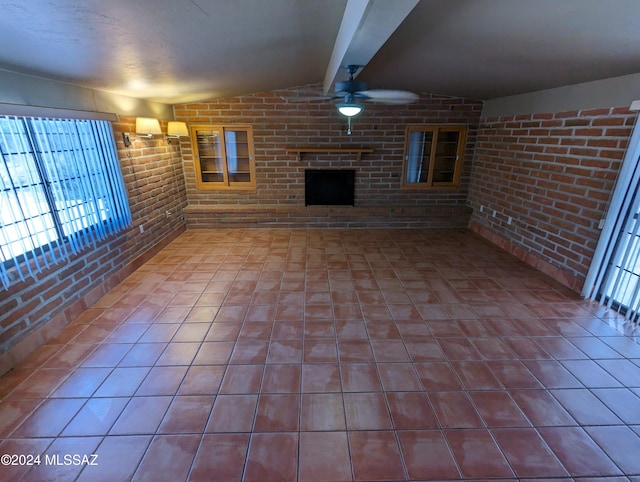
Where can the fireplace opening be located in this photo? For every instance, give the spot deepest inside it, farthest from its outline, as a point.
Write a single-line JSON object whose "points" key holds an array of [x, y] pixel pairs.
{"points": [[329, 187]]}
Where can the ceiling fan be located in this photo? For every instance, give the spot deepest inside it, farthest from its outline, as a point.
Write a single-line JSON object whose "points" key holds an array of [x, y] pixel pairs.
{"points": [[354, 91]]}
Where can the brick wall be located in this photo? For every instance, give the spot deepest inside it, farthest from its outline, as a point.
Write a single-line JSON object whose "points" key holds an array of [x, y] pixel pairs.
{"points": [[278, 124], [548, 178], [155, 185]]}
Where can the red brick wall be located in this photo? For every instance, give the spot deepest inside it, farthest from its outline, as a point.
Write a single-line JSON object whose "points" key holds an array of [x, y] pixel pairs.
{"points": [[278, 124], [552, 175], [155, 185]]}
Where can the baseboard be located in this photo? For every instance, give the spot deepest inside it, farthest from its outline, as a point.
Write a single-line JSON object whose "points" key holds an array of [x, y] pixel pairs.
{"points": [[52, 328], [532, 259]]}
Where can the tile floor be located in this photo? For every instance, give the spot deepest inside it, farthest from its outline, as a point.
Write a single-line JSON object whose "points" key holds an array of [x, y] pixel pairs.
{"points": [[278, 355]]}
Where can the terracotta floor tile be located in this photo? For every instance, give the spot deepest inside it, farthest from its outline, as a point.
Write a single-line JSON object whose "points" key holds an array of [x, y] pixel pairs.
{"points": [[375, 456], [281, 379], [242, 379], [83, 382], [476, 375], [213, 353], [142, 415], [277, 413], [320, 351], [620, 443], [249, 352], [178, 354], [411, 410], [477, 454], [437, 376], [366, 411], [220, 457], [122, 382], [622, 370], [454, 410], [162, 381], [35, 446], [324, 456], [541, 408], [389, 351], [591, 374], [71, 355], [621, 401], [498, 409], [40, 384], [187, 414], [322, 412], [50, 418], [60, 448], [426, 349], [427, 455], [232, 413], [107, 355], [202, 380], [13, 412], [272, 457], [513, 374], [527, 453], [118, 458], [96, 417], [552, 374], [143, 355], [585, 407], [360, 377], [398, 377], [320, 377], [169, 457], [578, 452], [285, 351], [223, 332], [274, 354]]}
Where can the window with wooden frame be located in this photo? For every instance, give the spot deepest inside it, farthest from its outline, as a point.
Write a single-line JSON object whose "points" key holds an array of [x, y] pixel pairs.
{"points": [[223, 157], [433, 156]]}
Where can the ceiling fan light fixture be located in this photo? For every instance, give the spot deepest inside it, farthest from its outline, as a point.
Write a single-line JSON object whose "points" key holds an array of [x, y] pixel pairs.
{"points": [[350, 109]]}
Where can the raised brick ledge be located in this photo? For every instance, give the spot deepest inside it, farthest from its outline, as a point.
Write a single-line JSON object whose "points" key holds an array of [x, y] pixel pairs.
{"points": [[252, 215]]}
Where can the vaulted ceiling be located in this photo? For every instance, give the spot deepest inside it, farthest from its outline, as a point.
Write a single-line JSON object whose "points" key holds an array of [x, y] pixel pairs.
{"points": [[175, 51]]}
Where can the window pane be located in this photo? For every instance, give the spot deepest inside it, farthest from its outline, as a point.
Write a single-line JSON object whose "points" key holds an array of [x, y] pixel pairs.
{"points": [[60, 187], [26, 222], [418, 159]]}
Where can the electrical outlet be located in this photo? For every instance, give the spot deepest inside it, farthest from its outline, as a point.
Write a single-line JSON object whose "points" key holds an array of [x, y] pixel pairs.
{"points": [[481, 208], [509, 219], [141, 229], [494, 214], [126, 138], [168, 214]]}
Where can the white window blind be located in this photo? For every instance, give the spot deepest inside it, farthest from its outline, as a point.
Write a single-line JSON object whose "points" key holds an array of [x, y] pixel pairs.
{"points": [[61, 190], [614, 276]]}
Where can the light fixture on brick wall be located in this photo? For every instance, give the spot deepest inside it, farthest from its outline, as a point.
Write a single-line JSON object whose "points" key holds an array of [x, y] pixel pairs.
{"points": [[147, 127], [176, 130]]}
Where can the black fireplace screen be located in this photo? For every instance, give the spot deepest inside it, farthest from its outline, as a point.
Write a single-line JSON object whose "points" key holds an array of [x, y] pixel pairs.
{"points": [[329, 187]]}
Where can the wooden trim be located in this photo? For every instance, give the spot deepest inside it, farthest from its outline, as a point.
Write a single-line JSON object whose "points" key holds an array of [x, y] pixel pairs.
{"points": [[338, 150]]}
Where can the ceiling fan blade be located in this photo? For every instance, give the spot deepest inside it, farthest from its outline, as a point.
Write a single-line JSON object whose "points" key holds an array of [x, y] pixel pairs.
{"points": [[384, 96]]}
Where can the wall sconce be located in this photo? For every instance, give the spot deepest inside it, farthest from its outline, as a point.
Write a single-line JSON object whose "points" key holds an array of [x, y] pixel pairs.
{"points": [[147, 127], [176, 130]]}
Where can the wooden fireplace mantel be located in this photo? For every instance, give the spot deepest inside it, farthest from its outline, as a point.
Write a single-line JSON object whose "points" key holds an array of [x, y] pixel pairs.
{"points": [[339, 150]]}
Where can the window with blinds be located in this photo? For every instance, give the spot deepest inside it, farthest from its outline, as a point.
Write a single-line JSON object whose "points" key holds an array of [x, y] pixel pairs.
{"points": [[61, 190]]}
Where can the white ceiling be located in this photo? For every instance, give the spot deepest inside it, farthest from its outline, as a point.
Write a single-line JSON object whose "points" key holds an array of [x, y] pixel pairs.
{"points": [[175, 51]]}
